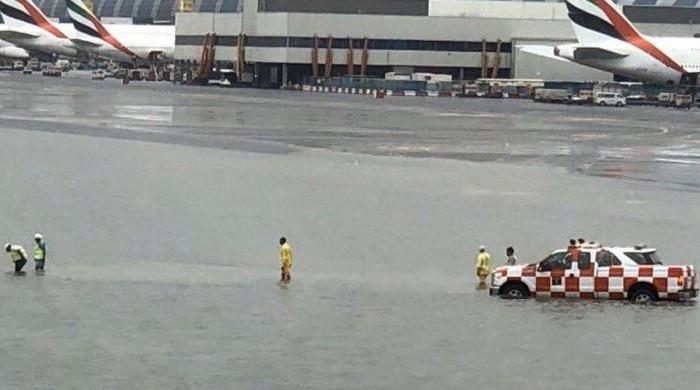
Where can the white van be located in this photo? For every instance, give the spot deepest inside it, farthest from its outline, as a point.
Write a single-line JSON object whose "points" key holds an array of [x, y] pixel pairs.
{"points": [[609, 99]]}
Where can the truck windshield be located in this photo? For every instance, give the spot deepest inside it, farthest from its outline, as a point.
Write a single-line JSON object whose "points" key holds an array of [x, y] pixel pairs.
{"points": [[644, 258]]}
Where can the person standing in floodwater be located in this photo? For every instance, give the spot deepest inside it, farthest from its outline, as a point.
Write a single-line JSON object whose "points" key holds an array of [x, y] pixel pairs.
{"points": [[573, 250], [483, 266], [510, 252], [286, 256], [39, 252]]}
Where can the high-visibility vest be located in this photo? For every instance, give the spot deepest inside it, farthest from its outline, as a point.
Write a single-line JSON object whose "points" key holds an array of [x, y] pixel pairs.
{"points": [[39, 253]]}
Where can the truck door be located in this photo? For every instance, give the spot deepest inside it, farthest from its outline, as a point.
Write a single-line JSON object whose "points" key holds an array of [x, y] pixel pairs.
{"points": [[581, 283], [567, 283], [607, 283], [550, 275]]}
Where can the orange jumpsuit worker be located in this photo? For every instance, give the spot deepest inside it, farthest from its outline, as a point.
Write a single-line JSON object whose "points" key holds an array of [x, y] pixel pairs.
{"points": [[286, 256]]}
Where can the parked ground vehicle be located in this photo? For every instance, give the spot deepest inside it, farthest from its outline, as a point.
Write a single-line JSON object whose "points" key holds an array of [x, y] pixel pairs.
{"points": [[469, 90], [552, 95], [642, 100], [683, 101], [27, 70], [34, 64], [52, 71], [609, 99], [666, 99], [633, 273], [98, 74], [583, 97], [63, 64]]}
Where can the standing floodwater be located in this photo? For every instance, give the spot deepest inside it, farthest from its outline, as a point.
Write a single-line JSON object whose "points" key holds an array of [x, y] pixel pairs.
{"points": [[163, 204]]}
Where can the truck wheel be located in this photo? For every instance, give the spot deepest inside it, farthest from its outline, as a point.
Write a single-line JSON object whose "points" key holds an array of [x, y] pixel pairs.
{"points": [[602, 104], [619, 104], [514, 291], [642, 294]]}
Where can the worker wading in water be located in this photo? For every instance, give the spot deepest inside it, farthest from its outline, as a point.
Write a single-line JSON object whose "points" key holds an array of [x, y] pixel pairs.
{"points": [[39, 252], [17, 255], [286, 256], [483, 266]]}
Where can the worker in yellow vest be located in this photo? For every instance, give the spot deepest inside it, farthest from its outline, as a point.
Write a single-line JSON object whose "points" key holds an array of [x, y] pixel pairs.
{"points": [[483, 266], [39, 252], [17, 255], [286, 256]]}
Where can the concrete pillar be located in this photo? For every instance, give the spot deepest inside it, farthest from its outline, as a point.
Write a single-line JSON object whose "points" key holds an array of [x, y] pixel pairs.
{"points": [[285, 79]]}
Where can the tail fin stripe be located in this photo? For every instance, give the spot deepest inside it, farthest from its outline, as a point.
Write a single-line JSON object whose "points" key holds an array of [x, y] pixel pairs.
{"points": [[630, 34], [87, 30], [591, 22], [39, 19], [16, 14]]}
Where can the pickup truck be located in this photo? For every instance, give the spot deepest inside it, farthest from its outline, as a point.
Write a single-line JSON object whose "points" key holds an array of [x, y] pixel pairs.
{"points": [[633, 273]]}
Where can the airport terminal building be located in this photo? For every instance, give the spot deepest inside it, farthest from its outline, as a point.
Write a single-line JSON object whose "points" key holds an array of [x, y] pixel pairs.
{"points": [[285, 39]]}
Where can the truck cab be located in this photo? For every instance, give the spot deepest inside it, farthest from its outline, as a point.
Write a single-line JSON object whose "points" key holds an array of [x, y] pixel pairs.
{"points": [[635, 273]]}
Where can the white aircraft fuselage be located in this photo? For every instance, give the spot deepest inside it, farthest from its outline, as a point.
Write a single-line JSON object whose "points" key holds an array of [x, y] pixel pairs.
{"points": [[639, 64], [45, 42], [129, 42]]}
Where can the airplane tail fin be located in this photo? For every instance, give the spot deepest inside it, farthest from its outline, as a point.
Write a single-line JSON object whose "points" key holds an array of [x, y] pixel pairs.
{"points": [[24, 15], [84, 21], [598, 20], [90, 28]]}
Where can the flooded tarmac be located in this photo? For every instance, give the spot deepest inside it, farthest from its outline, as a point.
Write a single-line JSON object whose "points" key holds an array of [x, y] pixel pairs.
{"points": [[162, 206]]}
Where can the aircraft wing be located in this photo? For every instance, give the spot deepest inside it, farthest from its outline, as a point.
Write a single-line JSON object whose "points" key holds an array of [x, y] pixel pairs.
{"points": [[596, 53], [84, 43], [542, 51], [9, 35]]}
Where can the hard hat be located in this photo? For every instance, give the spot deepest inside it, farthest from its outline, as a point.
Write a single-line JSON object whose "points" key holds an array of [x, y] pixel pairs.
{"points": [[7, 246], [38, 236]]}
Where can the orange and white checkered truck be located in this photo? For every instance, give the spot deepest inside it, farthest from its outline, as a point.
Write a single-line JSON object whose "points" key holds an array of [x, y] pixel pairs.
{"points": [[600, 272]]}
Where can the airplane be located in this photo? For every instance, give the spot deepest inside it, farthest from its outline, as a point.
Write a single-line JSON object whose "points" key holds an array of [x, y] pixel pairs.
{"points": [[608, 41], [119, 42], [8, 50], [30, 29]]}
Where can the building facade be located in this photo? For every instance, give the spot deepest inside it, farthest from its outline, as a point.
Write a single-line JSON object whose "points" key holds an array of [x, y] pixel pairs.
{"points": [[438, 36]]}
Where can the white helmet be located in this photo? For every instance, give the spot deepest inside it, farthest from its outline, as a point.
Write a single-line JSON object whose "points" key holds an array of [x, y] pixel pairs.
{"points": [[482, 248], [38, 236]]}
